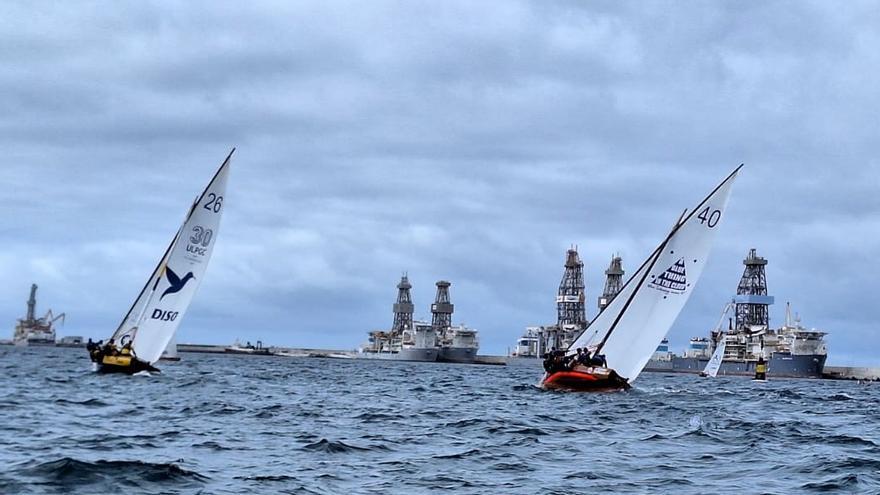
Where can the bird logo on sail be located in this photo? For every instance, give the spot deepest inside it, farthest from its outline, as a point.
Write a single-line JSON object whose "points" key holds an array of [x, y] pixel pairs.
{"points": [[673, 279], [177, 283]]}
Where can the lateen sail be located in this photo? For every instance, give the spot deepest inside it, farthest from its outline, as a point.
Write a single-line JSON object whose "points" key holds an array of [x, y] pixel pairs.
{"points": [[715, 362], [158, 310], [628, 331]]}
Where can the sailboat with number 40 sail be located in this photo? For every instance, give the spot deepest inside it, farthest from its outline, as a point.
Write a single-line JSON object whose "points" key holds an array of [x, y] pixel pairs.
{"points": [[153, 318], [629, 329]]}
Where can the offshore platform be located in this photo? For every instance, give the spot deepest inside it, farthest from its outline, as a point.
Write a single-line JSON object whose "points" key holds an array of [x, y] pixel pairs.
{"points": [[413, 340], [613, 282], [458, 344], [752, 304], [571, 309], [31, 330]]}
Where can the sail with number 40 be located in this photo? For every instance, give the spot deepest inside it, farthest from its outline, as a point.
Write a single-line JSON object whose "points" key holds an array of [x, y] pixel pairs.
{"points": [[159, 308], [629, 329]]}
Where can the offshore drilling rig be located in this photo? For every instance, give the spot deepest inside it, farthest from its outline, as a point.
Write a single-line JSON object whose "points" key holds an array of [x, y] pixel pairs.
{"points": [[31, 330], [413, 340], [441, 310], [571, 312], [752, 302], [613, 282], [403, 308]]}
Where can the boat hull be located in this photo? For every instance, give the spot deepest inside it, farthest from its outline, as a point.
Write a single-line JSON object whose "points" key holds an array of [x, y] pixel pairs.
{"points": [[123, 364], [457, 354], [425, 355], [585, 380], [252, 352], [780, 364]]}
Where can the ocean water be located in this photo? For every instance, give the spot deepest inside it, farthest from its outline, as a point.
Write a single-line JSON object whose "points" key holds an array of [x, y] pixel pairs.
{"points": [[245, 424]]}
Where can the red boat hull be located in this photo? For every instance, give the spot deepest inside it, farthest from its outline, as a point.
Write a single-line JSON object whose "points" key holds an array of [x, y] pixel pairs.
{"points": [[585, 380]]}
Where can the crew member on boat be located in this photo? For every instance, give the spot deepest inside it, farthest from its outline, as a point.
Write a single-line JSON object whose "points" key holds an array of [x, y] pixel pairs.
{"points": [[110, 348], [583, 356]]}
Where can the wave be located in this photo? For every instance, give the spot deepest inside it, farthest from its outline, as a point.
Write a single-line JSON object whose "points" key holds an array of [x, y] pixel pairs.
{"points": [[837, 483], [531, 431], [459, 455], [70, 474], [838, 398], [269, 477], [463, 423], [331, 447], [369, 417], [87, 402]]}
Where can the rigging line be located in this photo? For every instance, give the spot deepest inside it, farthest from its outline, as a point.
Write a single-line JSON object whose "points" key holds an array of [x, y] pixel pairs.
{"points": [[626, 284], [213, 179], [636, 290], [147, 284]]}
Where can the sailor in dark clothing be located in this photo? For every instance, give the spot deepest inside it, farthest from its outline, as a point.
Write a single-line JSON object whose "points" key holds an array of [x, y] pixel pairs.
{"points": [[570, 361], [599, 360], [548, 360], [96, 351], [584, 356], [110, 348]]}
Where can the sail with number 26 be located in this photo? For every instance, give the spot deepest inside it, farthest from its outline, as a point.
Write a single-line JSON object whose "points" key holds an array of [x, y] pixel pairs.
{"points": [[150, 324]]}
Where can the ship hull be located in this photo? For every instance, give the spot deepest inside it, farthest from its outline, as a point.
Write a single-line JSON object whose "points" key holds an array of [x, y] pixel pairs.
{"points": [[781, 364], [425, 355], [457, 354], [253, 352], [35, 343]]}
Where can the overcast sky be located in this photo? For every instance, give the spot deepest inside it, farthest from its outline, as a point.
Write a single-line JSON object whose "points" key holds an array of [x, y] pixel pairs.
{"points": [[469, 141]]}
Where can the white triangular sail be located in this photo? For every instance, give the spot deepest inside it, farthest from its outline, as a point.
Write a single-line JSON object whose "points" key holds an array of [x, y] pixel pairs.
{"points": [[714, 363], [159, 308], [628, 331]]}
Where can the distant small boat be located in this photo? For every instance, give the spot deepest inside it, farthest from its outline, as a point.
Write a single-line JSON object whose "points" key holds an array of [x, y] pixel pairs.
{"points": [[149, 326], [714, 364], [238, 348], [627, 331], [170, 352]]}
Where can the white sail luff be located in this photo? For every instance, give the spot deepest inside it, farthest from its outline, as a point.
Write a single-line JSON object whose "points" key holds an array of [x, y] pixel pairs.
{"points": [[179, 277], [636, 321]]}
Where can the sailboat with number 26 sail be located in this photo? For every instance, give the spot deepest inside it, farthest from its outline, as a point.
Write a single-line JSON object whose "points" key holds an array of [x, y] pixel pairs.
{"points": [[629, 329], [157, 311]]}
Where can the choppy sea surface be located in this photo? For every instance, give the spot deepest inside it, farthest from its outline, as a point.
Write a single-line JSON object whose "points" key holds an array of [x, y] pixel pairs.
{"points": [[245, 424]]}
